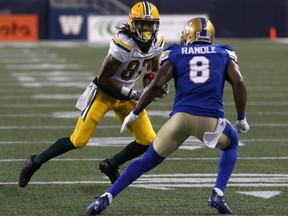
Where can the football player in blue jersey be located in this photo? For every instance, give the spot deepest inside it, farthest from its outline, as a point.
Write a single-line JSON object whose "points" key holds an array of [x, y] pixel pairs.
{"points": [[199, 68], [134, 49]]}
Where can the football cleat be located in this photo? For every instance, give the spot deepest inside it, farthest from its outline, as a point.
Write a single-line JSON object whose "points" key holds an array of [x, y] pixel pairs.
{"points": [[98, 206], [111, 172], [219, 203], [27, 171]]}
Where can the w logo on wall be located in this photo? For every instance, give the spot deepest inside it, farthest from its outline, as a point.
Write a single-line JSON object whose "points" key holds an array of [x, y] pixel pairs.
{"points": [[68, 24], [71, 24]]}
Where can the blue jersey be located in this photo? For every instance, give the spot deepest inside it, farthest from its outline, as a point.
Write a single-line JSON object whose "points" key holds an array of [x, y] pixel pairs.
{"points": [[199, 76]]}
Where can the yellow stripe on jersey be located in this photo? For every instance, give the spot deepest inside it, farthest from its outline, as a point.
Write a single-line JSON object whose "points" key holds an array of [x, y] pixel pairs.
{"points": [[164, 56], [160, 41], [122, 44]]}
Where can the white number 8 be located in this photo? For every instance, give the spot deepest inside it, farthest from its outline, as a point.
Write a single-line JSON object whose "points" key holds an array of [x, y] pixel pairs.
{"points": [[199, 69]]}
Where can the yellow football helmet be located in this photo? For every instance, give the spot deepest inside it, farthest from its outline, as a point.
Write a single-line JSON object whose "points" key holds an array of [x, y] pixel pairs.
{"points": [[198, 30], [144, 21]]}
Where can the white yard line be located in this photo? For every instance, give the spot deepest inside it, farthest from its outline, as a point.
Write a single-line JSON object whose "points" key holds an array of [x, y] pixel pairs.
{"points": [[52, 127], [169, 159], [195, 180]]}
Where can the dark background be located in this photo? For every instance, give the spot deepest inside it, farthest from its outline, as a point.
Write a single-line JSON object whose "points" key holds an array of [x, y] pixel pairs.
{"points": [[231, 18]]}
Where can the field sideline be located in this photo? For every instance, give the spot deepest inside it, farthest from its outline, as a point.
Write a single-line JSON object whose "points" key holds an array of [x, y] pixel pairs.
{"points": [[39, 86]]}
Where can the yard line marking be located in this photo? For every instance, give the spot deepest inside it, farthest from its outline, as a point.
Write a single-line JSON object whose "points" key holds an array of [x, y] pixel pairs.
{"points": [[111, 142], [34, 105], [73, 114], [32, 60], [56, 96], [183, 180], [263, 103], [167, 159], [202, 185], [239, 158], [262, 194], [59, 182], [122, 141], [84, 75], [54, 84], [24, 115], [266, 140], [42, 66], [267, 95], [51, 127], [42, 44], [23, 127], [152, 186]]}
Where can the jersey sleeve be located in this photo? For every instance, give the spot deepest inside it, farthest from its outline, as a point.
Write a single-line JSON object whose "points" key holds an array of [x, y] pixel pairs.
{"points": [[230, 52], [119, 48], [160, 43], [166, 54]]}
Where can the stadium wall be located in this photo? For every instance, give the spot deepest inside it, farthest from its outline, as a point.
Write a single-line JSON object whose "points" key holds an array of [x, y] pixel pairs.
{"points": [[15, 28], [232, 18]]}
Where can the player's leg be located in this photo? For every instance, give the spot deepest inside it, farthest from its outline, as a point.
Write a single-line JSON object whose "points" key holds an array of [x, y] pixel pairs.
{"points": [[228, 156], [84, 129], [141, 130], [226, 166], [198, 125], [168, 139]]}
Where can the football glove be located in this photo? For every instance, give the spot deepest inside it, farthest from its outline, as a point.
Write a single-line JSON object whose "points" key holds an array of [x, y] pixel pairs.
{"points": [[164, 91], [129, 119], [136, 94], [242, 126]]}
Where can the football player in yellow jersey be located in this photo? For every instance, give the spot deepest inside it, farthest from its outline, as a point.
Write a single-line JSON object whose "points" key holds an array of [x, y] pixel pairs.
{"points": [[134, 49]]}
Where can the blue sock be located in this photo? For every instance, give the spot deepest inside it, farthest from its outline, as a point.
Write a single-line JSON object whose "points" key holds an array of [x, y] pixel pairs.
{"points": [[228, 158], [147, 162]]}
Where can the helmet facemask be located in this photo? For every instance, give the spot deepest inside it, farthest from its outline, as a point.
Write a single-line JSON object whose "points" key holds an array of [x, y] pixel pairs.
{"points": [[145, 30]]}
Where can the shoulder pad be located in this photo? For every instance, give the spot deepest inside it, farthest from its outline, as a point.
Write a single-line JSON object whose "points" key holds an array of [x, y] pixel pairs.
{"points": [[160, 40], [229, 50], [165, 54], [122, 42], [224, 46]]}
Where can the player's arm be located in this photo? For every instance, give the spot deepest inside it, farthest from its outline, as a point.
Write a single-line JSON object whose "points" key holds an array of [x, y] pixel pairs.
{"points": [[104, 82], [164, 74], [107, 70], [154, 64], [235, 78], [155, 67]]}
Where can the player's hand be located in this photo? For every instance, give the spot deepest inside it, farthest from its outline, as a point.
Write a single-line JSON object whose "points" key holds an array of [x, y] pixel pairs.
{"points": [[136, 94], [164, 91], [242, 126], [129, 119]]}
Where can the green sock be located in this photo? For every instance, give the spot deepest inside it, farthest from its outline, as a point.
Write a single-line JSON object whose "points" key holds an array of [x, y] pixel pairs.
{"points": [[131, 151], [59, 147]]}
